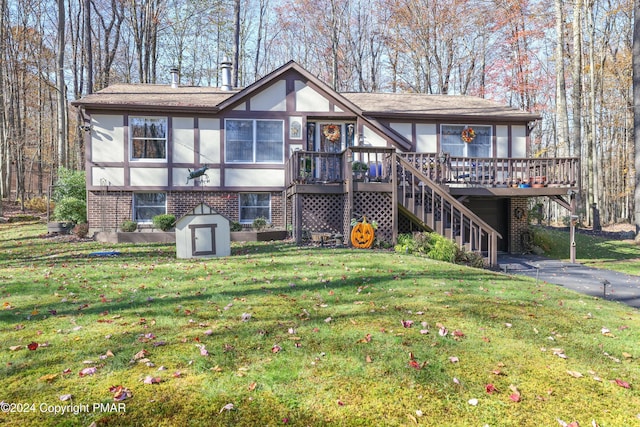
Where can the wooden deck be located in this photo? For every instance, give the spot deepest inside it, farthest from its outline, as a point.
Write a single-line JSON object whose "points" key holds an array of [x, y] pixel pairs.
{"points": [[328, 189]]}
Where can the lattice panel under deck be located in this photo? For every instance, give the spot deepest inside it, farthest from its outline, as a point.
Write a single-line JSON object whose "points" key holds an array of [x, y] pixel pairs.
{"points": [[377, 207], [322, 212]]}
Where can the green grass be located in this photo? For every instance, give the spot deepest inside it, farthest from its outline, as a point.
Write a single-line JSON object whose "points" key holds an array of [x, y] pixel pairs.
{"points": [[335, 318], [593, 251]]}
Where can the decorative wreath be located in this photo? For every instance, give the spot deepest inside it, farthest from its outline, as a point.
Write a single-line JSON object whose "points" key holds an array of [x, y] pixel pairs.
{"points": [[468, 135], [518, 213], [331, 132]]}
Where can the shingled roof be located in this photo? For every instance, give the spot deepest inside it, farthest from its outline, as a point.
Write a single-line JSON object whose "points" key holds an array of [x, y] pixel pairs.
{"points": [[122, 96], [432, 106], [150, 97]]}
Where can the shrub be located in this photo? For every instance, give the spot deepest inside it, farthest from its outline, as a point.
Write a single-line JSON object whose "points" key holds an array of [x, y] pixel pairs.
{"points": [[236, 226], [259, 223], [432, 245], [70, 184], [164, 222], [81, 230], [129, 226], [72, 210], [39, 204]]}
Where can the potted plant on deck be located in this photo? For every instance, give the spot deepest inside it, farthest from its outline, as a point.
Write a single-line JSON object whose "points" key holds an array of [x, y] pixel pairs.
{"points": [[359, 170]]}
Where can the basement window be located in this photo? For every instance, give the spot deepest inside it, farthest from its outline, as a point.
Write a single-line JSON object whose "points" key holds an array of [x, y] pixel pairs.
{"points": [[148, 205]]}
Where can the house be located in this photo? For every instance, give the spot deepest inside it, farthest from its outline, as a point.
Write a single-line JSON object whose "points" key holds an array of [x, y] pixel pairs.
{"points": [[292, 150]]}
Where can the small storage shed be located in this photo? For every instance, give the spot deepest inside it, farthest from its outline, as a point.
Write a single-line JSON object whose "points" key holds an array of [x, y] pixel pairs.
{"points": [[203, 233]]}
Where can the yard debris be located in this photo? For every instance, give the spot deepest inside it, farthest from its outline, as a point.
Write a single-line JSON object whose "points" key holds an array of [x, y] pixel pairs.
{"points": [[228, 407], [120, 393]]}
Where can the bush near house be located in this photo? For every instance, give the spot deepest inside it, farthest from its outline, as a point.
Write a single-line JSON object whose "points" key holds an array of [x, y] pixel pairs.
{"points": [[164, 222], [70, 196]]}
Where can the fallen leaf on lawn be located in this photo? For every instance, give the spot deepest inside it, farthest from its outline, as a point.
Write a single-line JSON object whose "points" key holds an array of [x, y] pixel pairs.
{"points": [[32, 345], [88, 371], [407, 323], [473, 402], [575, 374], [559, 352], [15, 347], [227, 407], [203, 351], [328, 320], [458, 334], [368, 359], [216, 368], [490, 388], [246, 317], [626, 355], [340, 402], [443, 331], [65, 397], [48, 378], [141, 354], [456, 381], [453, 359], [508, 325], [252, 386], [424, 331], [152, 380], [276, 348], [367, 338], [607, 333], [622, 383], [120, 393], [515, 395], [414, 364]]}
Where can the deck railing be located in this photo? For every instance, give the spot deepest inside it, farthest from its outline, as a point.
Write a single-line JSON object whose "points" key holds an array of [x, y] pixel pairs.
{"points": [[361, 163], [495, 171]]}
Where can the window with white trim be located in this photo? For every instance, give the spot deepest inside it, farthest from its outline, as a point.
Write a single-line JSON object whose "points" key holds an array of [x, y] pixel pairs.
{"points": [[254, 205], [148, 138], [254, 141], [148, 205], [466, 141]]}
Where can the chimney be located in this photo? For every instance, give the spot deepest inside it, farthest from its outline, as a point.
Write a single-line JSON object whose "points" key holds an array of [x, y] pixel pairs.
{"points": [[225, 67], [174, 77]]}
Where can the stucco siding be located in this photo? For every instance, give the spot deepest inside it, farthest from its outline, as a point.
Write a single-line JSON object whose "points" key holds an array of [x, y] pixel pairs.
{"points": [[271, 99], [254, 178], [307, 99], [183, 139], [107, 138], [109, 176], [153, 177]]}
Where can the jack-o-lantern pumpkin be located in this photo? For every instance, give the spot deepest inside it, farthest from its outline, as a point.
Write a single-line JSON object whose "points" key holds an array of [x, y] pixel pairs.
{"points": [[362, 234]]}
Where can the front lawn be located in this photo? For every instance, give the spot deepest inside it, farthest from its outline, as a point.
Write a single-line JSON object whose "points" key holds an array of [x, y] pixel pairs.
{"points": [[282, 335]]}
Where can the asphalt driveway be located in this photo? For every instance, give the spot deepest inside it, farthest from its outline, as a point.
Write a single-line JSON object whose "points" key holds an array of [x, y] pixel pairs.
{"points": [[607, 284]]}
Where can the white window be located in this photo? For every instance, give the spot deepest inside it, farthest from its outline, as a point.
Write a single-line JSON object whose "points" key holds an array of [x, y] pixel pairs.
{"points": [[254, 141], [148, 138], [466, 141], [148, 205], [255, 205]]}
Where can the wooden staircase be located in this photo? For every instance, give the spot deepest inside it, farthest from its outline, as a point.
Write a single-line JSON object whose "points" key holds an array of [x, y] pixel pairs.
{"points": [[430, 205]]}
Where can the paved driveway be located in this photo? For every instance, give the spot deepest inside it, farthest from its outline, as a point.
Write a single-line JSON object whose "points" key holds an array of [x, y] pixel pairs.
{"points": [[590, 281]]}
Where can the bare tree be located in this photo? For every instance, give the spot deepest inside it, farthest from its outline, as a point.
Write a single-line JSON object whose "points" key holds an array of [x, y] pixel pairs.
{"points": [[61, 87], [636, 110]]}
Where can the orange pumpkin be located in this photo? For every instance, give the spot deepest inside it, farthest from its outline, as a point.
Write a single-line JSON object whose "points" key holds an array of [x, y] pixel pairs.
{"points": [[362, 234]]}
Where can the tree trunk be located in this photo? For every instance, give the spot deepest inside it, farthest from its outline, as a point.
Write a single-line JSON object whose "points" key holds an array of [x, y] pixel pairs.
{"points": [[236, 42], [87, 45], [636, 110], [62, 98], [3, 136], [561, 90]]}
